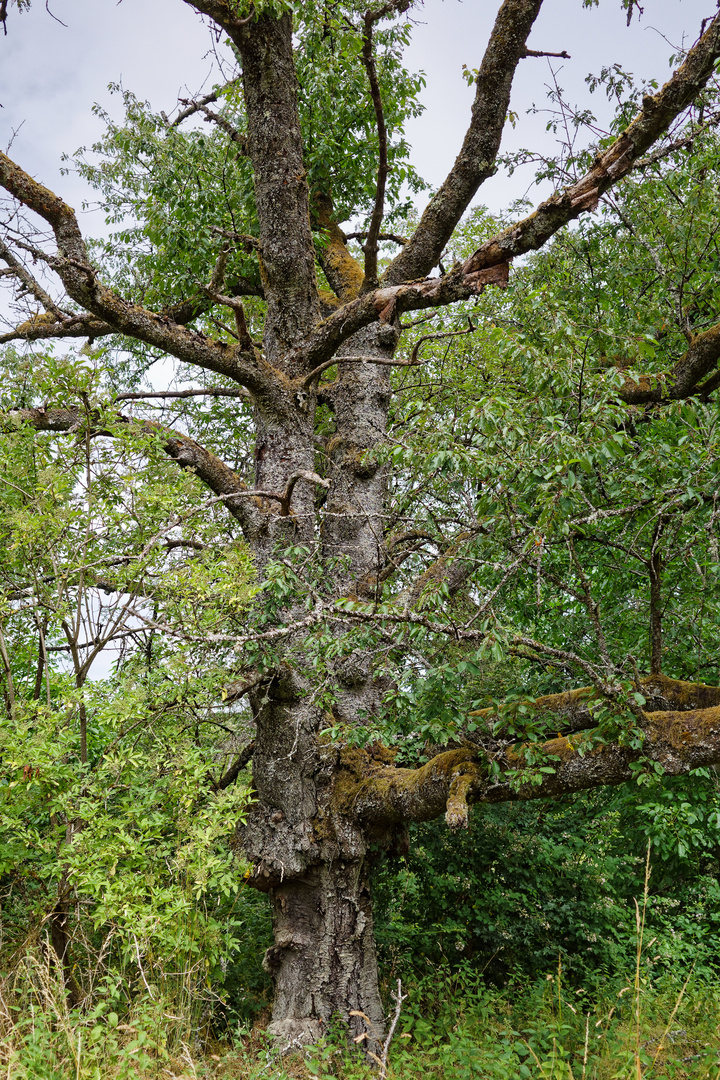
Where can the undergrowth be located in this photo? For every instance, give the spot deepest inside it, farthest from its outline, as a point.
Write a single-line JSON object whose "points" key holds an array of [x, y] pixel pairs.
{"points": [[452, 1026], [159, 1010]]}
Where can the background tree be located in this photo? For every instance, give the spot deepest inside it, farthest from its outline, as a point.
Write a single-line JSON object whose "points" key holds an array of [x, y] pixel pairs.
{"points": [[368, 572]]}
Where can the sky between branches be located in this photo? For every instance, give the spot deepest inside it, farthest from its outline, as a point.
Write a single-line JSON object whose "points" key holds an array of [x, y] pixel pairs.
{"points": [[51, 74]]}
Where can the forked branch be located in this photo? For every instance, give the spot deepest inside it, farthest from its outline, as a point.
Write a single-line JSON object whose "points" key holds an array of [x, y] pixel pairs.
{"points": [[83, 284], [198, 104], [610, 165]]}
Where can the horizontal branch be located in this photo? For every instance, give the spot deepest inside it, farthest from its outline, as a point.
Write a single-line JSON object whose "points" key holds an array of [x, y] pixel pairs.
{"points": [[208, 391], [536, 52], [451, 782], [571, 710], [392, 237], [335, 361]]}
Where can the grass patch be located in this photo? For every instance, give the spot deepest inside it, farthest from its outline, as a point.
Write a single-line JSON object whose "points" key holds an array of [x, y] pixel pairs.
{"points": [[452, 1026]]}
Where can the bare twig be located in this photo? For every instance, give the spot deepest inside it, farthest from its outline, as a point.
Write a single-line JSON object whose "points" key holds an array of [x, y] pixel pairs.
{"points": [[678, 144], [33, 286], [399, 998], [535, 52], [381, 236], [437, 337], [381, 360], [196, 106], [210, 391]]}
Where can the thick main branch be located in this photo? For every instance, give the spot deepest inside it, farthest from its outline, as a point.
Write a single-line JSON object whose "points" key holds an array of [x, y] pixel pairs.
{"points": [[683, 380], [611, 164], [83, 285], [476, 160], [451, 782]]}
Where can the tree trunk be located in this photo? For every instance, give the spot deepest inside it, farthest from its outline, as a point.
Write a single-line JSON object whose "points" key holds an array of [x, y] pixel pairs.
{"points": [[310, 858], [60, 939], [323, 960], [655, 567], [312, 861]]}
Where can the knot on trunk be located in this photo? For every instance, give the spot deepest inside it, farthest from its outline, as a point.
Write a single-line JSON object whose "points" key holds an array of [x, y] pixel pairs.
{"points": [[284, 939]]}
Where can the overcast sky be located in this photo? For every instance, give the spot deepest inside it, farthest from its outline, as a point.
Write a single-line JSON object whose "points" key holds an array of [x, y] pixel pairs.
{"points": [[50, 74]]}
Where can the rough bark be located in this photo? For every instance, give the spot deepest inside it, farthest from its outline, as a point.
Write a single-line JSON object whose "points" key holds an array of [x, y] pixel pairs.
{"points": [[274, 146], [313, 862], [323, 960], [453, 781], [571, 710]]}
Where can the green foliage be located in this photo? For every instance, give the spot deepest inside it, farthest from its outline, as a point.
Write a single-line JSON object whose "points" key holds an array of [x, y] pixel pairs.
{"points": [[337, 113], [110, 800], [510, 449]]}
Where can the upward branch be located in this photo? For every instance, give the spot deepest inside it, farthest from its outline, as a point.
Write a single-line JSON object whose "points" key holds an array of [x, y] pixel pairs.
{"points": [[476, 160], [402, 291], [612, 164], [368, 59]]}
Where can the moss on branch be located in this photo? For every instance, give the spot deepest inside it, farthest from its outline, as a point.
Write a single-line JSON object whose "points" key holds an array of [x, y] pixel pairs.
{"points": [[382, 795]]}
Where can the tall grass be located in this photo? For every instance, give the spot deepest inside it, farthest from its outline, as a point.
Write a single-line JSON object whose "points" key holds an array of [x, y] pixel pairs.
{"points": [[143, 1017], [452, 1027]]}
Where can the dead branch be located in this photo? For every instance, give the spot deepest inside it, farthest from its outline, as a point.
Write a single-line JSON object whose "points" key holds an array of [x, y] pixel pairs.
{"points": [[193, 106], [210, 391], [438, 337], [534, 52]]}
